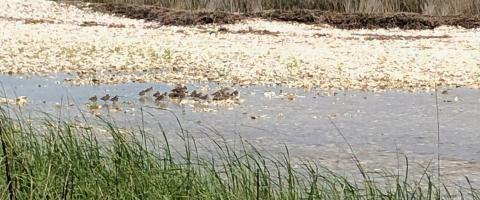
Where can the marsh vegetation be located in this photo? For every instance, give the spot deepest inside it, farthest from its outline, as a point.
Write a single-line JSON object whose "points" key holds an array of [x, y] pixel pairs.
{"points": [[61, 160], [429, 7]]}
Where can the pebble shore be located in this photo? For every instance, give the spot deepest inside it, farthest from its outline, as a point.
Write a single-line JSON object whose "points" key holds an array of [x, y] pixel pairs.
{"points": [[40, 37]]}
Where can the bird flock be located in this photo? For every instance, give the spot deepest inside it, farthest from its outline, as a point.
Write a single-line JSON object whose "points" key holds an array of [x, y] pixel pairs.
{"points": [[178, 93]]}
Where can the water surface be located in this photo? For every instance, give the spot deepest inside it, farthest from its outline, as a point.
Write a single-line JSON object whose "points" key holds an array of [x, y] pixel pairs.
{"points": [[381, 127]]}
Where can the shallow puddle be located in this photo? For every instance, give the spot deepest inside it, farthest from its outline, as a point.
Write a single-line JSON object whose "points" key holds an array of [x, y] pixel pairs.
{"points": [[381, 127]]}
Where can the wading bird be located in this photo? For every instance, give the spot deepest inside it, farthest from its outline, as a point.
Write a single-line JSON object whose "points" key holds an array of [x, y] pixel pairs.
{"points": [[93, 99], [160, 97], [105, 98], [157, 94], [178, 92], [149, 89], [145, 91], [114, 99]]}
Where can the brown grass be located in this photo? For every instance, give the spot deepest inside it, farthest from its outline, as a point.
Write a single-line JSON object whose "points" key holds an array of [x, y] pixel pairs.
{"points": [[429, 7], [165, 16], [401, 37], [250, 30]]}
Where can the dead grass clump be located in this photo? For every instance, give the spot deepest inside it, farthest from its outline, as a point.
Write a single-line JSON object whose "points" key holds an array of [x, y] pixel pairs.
{"points": [[37, 21], [116, 26], [223, 29], [257, 32], [401, 37], [28, 20], [250, 30], [320, 35], [89, 23]]}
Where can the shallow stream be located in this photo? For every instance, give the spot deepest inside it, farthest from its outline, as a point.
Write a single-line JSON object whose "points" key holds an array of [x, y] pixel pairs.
{"points": [[382, 128]]}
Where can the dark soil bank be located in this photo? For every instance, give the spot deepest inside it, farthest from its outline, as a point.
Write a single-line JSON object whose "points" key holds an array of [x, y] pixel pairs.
{"points": [[340, 20]]}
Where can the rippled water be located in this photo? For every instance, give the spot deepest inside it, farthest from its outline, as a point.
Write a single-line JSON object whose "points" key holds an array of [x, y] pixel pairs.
{"points": [[381, 127]]}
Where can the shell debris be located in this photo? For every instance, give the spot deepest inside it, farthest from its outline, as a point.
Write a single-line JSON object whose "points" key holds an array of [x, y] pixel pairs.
{"points": [[342, 59]]}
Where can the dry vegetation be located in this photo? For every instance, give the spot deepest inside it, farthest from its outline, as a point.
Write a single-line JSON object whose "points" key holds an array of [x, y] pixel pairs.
{"points": [[429, 7], [166, 16]]}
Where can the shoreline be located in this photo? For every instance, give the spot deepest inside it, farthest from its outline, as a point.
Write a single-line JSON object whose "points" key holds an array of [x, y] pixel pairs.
{"points": [[95, 48]]}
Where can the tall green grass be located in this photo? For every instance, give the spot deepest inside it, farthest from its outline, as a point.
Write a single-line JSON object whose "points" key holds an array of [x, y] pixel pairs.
{"points": [[430, 7], [59, 160]]}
